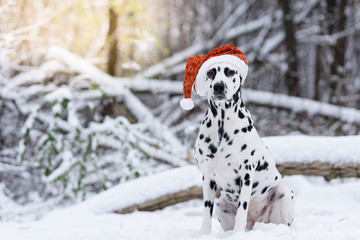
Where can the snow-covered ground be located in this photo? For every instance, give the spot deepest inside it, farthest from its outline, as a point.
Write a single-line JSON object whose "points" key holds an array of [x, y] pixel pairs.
{"points": [[324, 210]]}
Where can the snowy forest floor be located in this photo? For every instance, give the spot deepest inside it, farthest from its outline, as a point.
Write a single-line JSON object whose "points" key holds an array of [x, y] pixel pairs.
{"points": [[324, 210]]}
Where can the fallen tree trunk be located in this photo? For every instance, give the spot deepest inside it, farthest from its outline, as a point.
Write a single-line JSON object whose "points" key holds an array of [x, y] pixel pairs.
{"points": [[166, 200], [327, 170], [317, 168]]}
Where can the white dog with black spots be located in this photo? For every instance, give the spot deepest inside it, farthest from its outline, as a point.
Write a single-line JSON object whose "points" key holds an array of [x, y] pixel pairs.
{"points": [[232, 158]]}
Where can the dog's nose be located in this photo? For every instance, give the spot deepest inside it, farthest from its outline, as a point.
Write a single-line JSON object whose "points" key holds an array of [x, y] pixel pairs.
{"points": [[219, 88]]}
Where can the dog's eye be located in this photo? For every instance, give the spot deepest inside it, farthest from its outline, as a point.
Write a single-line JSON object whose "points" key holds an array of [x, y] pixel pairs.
{"points": [[211, 73], [229, 72]]}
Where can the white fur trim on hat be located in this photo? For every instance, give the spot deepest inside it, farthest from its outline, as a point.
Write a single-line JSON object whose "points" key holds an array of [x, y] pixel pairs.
{"points": [[187, 103], [231, 59]]}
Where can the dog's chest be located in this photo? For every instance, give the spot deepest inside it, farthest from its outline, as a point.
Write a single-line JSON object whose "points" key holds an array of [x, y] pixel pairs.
{"points": [[228, 143], [227, 135]]}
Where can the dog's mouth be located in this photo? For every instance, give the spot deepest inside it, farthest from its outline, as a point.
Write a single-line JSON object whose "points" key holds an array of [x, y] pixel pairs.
{"points": [[219, 96]]}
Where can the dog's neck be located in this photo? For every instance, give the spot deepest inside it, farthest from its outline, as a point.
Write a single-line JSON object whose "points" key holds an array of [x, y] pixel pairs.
{"points": [[235, 105]]}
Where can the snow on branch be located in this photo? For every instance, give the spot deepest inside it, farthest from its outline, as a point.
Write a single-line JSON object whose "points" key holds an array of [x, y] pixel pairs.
{"points": [[296, 104], [276, 100]]}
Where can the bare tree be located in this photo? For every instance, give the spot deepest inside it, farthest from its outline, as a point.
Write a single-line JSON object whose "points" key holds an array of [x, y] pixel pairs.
{"points": [[291, 78], [112, 41], [337, 18]]}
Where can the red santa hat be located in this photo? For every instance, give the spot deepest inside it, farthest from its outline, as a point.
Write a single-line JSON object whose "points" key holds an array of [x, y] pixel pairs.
{"points": [[197, 67]]}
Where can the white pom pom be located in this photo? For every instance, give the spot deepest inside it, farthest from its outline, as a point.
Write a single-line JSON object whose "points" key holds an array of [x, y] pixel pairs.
{"points": [[187, 103]]}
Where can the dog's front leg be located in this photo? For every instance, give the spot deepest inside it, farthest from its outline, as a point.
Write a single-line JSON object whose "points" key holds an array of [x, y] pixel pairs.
{"points": [[245, 187], [209, 191]]}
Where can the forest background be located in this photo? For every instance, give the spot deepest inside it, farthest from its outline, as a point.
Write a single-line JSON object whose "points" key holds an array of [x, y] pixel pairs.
{"points": [[90, 89]]}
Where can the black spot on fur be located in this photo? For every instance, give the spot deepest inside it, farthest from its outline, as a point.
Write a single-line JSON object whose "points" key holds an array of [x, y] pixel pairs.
{"points": [[232, 191], [238, 181], [211, 73], [243, 147], [227, 105], [247, 179], [200, 151], [228, 156], [264, 190], [276, 178], [222, 113], [246, 161], [225, 211], [252, 152], [262, 167], [236, 171], [244, 130], [201, 136], [213, 109], [212, 148], [226, 136], [281, 196], [236, 97], [210, 155], [245, 205], [240, 114], [230, 142], [212, 185], [210, 205], [207, 139], [208, 124], [236, 131], [219, 69], [220, 129]]}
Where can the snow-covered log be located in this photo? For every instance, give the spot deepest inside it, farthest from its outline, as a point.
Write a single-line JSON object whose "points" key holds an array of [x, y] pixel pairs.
{"points": [[129, 196], [324, 169]]}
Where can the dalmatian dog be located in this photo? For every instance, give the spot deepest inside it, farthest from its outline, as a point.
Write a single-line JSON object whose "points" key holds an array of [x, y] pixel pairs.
{"points": [[232, 158]]}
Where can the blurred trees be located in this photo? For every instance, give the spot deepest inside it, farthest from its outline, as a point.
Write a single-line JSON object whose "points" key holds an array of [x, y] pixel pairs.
{"points": [[307, 48]]}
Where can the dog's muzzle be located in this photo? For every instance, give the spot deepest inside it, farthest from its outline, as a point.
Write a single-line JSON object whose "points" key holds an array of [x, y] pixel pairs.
{"points": [[219, 90]]}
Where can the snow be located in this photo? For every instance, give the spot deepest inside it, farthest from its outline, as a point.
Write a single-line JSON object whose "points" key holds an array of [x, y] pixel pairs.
{"points": [[297, 104], [59, 94], [324, 210], [307, 149], [146, 188]]}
